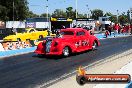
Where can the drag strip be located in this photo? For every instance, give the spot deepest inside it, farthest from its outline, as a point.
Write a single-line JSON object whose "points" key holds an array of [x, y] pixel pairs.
{"points": [[28, 71]]}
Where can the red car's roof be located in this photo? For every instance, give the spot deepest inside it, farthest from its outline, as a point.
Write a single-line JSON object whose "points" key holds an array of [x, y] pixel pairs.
{"points": [[72, 29]]}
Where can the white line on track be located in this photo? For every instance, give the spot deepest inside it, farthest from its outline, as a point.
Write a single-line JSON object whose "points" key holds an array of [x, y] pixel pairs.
{"points": [[97, 63]]}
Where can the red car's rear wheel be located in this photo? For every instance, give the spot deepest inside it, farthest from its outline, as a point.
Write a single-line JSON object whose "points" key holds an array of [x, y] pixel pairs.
{"points": [[95, 45]]}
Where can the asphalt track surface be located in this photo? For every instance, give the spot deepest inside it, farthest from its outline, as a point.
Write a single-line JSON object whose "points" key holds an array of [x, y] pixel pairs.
{"points": [[29, 71]]}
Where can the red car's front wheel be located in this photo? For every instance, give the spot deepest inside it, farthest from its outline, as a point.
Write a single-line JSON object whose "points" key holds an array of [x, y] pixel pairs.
{"points": [[66, 51]]}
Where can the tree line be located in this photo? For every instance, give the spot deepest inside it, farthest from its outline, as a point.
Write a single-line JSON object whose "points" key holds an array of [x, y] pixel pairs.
{"points": [[19, 10]]}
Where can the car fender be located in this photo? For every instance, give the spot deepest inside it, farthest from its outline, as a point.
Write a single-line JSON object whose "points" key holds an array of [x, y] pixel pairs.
{"points": [[40, 48], [64, 44], [92, 39]]}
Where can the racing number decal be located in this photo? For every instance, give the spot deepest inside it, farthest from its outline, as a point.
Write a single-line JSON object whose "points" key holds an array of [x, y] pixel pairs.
{"points": [[82, 43], [78, 44], [85, 43]]}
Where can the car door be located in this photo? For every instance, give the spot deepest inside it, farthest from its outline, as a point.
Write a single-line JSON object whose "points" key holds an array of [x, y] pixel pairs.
{"points": [[33, 34], [85, 40], [79, 40]]}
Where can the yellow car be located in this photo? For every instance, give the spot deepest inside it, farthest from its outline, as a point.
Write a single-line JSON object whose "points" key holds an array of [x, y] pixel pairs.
{"points": [[28, 34]]}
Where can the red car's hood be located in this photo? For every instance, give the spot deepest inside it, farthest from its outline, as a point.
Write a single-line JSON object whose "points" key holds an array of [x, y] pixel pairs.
{"points": [[66, 37], [59, 37]]}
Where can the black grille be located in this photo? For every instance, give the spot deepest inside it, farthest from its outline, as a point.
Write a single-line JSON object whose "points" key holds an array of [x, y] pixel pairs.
{"points": [[48, 45]]}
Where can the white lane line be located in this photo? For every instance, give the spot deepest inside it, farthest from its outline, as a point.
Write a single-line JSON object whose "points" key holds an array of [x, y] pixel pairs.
{"points": [[1, 57], [97, 63]]}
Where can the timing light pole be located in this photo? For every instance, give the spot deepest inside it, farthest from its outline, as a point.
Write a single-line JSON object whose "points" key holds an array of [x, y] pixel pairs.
{"points": [[76, 12], [87, 12], [117, 15], [47, 13], [48, 21], [76, 7], [13, 10]]}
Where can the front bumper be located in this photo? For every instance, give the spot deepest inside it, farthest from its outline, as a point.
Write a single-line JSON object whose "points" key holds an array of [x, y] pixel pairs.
{"points": [[50, 53]]}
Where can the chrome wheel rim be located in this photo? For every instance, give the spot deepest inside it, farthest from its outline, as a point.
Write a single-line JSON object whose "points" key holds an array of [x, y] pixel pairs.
{"points": [[66, 51], [94, 46]]}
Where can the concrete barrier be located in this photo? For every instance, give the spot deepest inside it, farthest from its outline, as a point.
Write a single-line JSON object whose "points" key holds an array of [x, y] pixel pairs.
{"points": [[15, 45], [1, 47]]}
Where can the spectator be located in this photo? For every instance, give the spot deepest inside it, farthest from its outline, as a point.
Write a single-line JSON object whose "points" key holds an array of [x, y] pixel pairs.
{"points": [[48, 32], [74, 25], [79, 26], [131, 29], [14, 30], [63, 27], [124, 29], [119, 29], [116, 28], [109, 29], [91, 27], [106, 33], [99, 27]]}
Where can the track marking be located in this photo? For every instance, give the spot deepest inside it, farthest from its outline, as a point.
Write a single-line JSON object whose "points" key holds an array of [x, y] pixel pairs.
{"points": [[93, 65]]}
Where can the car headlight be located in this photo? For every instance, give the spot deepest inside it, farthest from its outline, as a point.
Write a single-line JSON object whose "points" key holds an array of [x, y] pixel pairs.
{"points": [[48, 46]]}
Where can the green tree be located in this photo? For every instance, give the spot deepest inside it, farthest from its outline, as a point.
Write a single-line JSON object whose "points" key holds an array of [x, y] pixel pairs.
{"points": [[31, 14], [96, 13], [108, 14], [82, 16], [3, 13], [85, 15], [45, 15], [59, 13], [113, 18], [123, 19], [70, 12], [128, 16], [20, 9]]}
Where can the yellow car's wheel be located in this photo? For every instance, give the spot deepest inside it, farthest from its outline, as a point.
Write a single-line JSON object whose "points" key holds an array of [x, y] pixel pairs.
{"points": [[18, 39], [27, 39]]}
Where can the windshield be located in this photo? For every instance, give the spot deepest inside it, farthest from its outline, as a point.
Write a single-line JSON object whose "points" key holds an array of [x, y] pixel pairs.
{"points": [[23, 31], [67, 33]]}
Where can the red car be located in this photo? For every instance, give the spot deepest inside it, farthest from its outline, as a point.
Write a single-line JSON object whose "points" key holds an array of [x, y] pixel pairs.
{"points": [[70, 40]]}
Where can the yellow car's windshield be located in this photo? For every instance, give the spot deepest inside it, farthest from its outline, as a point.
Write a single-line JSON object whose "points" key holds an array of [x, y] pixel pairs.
{"points": [[24, 31]]}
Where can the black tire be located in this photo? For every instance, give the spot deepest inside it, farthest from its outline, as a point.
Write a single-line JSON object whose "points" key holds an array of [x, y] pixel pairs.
{"points": [[95, 45], [80, 80], [66, 51], [41, 37], [18, 39], [27, 39]]}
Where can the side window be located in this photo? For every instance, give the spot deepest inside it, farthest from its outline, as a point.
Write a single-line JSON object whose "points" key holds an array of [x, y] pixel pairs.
{"points": [[80, 33], [32, 30]]}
